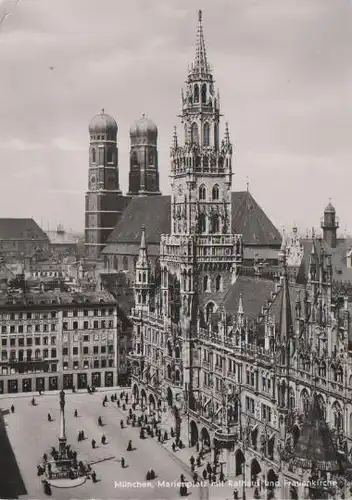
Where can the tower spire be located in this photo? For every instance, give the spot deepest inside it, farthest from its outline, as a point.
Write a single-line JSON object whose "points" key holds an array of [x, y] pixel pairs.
{"points": [[285, 313], [200, 62]]}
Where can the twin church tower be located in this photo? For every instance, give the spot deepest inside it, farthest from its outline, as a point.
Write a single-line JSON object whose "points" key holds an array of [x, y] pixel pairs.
{"points": [[105, 202]]}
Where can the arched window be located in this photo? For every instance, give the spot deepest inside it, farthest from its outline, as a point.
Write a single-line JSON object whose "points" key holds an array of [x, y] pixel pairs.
{"points": [[134, 158], [194, 134], [206, 283], [304, 401], [196, 93], [94, 155], [106, 262], [218, 283], [322, 369], [216, 224], [202, 223], [110, 155], [116, 263], [338, 420], [177, 376], [322, 405], [125, 263], [169, 372], [169, 349], [206, 134], [215, 192], [151, 158], [186, 133], [202, 192], [209, 310], [135, 258], [177, 352], [351, 425], [205, 162], [204, 93], [101, 154], [339, 374]]}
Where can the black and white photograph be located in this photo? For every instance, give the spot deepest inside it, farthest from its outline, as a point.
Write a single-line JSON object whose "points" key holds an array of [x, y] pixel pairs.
{"points": [[175, 249]]}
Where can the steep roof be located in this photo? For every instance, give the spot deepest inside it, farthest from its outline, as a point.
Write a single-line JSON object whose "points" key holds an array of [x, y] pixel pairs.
{"points": [[315, 444], [250, 220], [21, 229], [255, 293], [339, 254], [151, 211], [154, 212]]}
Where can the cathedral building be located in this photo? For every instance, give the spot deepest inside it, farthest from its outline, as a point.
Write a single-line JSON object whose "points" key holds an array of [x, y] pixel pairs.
{"points": [[256, 372]]}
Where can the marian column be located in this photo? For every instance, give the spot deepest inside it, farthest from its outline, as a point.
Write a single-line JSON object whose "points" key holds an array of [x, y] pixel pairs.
{"points": [[62, 436]]}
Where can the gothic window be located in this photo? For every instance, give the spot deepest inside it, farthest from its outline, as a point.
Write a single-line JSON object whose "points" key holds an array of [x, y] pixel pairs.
{"points": [[304, 401], [206, 286], [177, 352], [202, 223], [216, 224], [194, 134], [215, 192], [206, 134], [218, 283], [196, 93], [177, 376], [116, 263], [134, 158], [322, 369], [204, 93], [209, 310], [169, 349], [322, 405], [202, 192], [221, 163], [125, 263], [106, 262], [109, 155], [186, 135], [205, 162], [94, 155], [151, 159], [135, 258], [339, 374], [169, 372]]}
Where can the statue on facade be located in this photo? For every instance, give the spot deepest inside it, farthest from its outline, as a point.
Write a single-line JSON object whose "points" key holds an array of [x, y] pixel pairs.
{"points": [[263, 440]]}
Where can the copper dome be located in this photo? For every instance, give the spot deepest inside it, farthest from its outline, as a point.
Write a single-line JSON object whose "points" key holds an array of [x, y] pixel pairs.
{"points": [[102, 124], [144, 127]]}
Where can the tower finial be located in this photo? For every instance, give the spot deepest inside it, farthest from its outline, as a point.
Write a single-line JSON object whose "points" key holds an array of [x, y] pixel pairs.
{"points": [[247, 184], [102, 111], [200, 63]]}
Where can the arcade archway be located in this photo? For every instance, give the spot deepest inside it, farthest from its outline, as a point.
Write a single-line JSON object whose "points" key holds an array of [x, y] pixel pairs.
{"points": [[205, 437], [143, 398], [135, 392], [239, 457], [272, 480], [295, 434], [194, 433], [169, 396], [255, 470], [151, 401]]}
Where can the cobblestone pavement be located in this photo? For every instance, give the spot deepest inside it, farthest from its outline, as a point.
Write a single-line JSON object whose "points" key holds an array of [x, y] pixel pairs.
{"points": [[31, 435]]}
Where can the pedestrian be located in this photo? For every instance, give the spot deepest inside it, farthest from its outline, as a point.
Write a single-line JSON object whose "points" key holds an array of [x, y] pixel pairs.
{"points": [[121, 424], [195, 478], [103, 439], [205, 474], [94, 477], [93, 443], [122, 462], [118, 403], [173, 446], [129, 447], [192, 460], [12, 409], [76, 413], [49, 417], [235, 495]]}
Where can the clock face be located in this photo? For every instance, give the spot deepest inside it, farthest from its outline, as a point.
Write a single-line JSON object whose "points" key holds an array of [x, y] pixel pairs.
{"points": [[92, 179]]}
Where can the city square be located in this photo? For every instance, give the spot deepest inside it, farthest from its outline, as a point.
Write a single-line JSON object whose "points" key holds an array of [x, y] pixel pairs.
{"points": [[31, 435]]}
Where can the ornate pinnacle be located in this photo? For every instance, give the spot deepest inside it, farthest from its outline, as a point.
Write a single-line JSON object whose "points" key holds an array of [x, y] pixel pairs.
{"points": [[174, 138], [200, 63], [227, 133]]}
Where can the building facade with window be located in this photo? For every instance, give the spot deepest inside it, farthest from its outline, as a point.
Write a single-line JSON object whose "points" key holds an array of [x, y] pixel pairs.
{"points": [[252, 369], [56, 340]]}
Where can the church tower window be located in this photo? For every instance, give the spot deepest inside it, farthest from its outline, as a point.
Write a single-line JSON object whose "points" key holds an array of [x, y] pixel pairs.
{"points": [[125, 263], [194, 134], [206, 286], [116, 263], [215, 192], [202, 192], [206, 134], [216, 224], [101, 156], [110, 156], [218, 283], [94, 155], [204, 93], [196, 93]]}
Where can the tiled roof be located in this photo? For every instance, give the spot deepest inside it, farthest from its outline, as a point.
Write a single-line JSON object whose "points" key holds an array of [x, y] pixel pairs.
{"points": [[21, 229], [154, 212], [249, 219], [340, 271], [255, 293], [151, 211], [63, 298], [276, 305], [315, 444]]}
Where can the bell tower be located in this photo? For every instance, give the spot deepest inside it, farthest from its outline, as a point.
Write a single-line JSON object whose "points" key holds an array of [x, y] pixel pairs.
{"points": [[144, 173], [103, 194]]}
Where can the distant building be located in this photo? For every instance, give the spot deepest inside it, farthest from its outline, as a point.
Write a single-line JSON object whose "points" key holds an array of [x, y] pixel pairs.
{"points": [[62, 242], [22, 237], [58, 340]]}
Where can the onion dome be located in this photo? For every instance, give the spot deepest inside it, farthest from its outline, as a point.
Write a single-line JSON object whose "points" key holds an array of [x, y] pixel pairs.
{"points": [[144, 127], [103, 124], [329, 209]]}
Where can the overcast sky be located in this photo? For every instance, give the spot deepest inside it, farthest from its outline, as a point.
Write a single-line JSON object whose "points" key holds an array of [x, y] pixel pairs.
{"points": [[283, 68]]}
